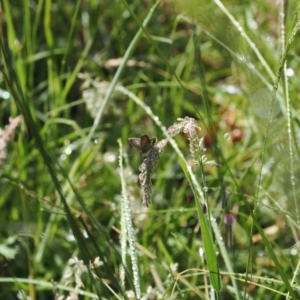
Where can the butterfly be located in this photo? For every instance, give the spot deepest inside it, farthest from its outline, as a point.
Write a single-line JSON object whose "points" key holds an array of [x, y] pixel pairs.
{"points": [[144, 144]]}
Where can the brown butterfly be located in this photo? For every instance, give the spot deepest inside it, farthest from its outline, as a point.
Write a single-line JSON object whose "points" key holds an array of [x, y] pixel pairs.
{"points": [[144, 144]]}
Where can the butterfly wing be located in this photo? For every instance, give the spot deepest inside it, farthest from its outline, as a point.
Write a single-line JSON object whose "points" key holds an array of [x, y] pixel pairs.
{"points": [[135, 142], [145, 143]]}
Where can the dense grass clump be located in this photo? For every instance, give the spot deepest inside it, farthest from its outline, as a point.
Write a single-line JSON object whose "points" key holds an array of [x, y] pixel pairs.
{"points": [[205, 205]]}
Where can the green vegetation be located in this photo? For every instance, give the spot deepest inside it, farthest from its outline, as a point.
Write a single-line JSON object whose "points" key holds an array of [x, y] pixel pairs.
{"points": [[209, 209]]}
